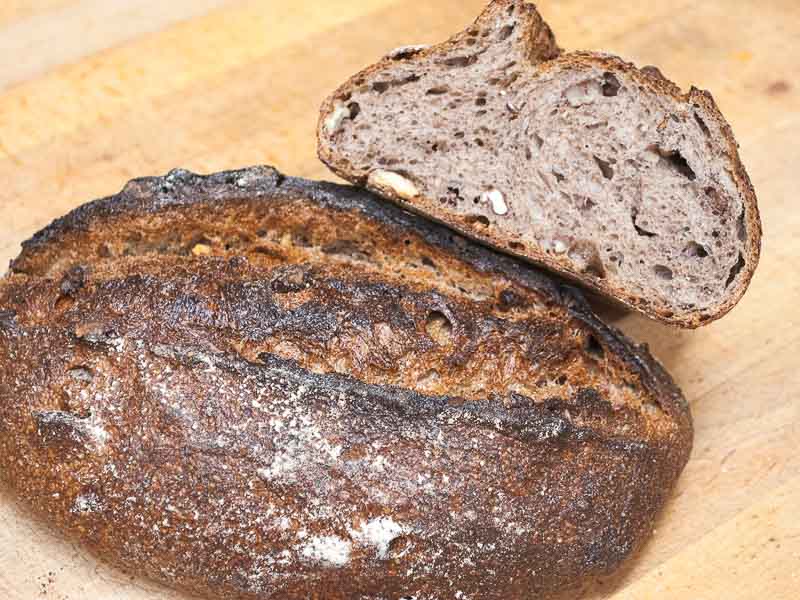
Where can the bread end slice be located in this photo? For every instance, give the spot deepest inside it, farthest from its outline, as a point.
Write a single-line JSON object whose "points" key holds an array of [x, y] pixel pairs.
{"points": [[580, 162]]}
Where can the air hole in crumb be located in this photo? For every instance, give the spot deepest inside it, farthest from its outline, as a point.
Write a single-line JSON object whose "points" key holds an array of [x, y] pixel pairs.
{"points": [[675, 161], [438, 90], [505, 32], [702, 125], [454, 195], [640, 230], [510, 80], [480, 101], [477, 220], [381, 86], [428, 262], [605, 167], [663, 272], [586, 256], [561, 379], [611, 84], [718, 203], [354, 108], [696, 250], [559, 177], [735, 269], [537, 139], [439, 327], [280, 178], [594, 347], [104, 251], [516, 246], [479, 142], [459, 134], [741, 230], [461, 61]]}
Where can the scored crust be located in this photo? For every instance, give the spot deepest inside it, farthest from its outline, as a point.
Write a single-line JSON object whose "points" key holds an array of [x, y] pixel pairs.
{"points": [[245, 361], [539, 46]]}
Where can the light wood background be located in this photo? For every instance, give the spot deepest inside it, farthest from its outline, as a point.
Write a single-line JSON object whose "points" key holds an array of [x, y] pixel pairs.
{"points": [[95, 92]]}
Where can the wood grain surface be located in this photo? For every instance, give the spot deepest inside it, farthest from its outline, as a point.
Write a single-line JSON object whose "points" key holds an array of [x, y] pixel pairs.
{"points": [[95, 92]]}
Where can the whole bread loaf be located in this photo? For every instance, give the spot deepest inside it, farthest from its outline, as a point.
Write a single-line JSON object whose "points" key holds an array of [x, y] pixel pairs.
{"points": [[257, 387], [579, 161]]}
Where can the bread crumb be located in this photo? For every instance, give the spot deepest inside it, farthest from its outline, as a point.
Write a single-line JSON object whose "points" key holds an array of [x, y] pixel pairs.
{"points": [[334, 120], [497, 200], [201, 250], [394, 182]]}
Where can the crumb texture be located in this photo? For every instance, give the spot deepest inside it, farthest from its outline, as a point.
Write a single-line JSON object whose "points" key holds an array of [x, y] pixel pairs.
{"points": [[256, 387], [578, 161]]}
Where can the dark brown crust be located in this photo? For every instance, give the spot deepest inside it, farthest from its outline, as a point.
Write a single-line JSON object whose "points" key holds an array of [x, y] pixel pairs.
{"points": [[545, 54], [138, 415]]}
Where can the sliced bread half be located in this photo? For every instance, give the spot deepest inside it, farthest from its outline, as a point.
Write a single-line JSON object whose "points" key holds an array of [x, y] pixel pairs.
{"points": [[581, 162]]}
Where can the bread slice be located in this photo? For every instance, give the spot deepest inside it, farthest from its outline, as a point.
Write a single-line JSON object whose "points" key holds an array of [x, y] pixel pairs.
{"points": [[579, 161], [258, 387]]}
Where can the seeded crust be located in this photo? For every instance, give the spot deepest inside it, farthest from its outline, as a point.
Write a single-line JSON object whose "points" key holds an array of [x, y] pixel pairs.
{"points": [[703, 279], [258, 387]]}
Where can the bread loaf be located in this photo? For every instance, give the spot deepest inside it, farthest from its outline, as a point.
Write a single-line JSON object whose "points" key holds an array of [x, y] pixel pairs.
{"points": [[577, 161], [257, 387]]}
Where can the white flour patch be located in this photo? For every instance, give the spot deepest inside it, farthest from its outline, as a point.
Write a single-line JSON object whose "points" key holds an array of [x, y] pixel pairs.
{"points": [[327, 549], [379, 533], [95, 429], [302, 442]]}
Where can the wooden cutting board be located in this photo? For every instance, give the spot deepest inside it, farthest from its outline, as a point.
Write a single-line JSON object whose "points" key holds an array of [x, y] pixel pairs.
{"points": [[95, 92]]}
